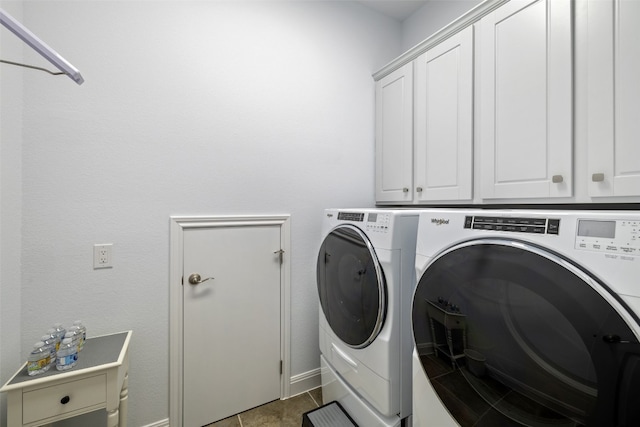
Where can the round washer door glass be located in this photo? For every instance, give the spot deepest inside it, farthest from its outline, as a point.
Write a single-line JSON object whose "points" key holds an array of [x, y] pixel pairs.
{"points": [[523, 337], [351, 286]]}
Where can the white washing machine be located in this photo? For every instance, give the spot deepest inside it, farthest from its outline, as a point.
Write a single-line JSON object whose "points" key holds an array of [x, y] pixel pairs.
{"points": [[527, 317], [366, 278]]}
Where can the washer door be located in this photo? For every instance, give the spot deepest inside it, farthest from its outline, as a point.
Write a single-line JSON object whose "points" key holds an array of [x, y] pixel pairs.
{"points": [[523, 337], [351, 286]]}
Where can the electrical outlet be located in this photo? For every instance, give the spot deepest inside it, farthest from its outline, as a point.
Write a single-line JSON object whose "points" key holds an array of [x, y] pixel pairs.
{"points": [[102, 256]]}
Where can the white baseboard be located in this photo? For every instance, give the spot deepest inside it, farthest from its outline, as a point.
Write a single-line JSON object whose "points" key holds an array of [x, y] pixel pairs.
{"points": [[161, 423], [304, 382]]}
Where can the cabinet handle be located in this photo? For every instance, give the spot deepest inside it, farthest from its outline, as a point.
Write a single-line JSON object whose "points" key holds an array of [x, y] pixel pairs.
{"points": [[65, 400], [419, 189], [557, 179], [405, 190], [597, 177]]}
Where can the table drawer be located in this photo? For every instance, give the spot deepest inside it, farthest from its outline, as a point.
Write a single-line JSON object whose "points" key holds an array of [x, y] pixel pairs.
{"points": [[47, 402]]}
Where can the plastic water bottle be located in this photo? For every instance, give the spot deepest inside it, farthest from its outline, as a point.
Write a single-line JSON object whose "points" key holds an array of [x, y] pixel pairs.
{"points": [[68, 354], [50, 343], [60, 331], [83, 334], [56, 339], [75, 335], [39, 358]]}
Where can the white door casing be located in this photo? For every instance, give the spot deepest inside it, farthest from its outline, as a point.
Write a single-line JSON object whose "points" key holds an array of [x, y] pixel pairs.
{"points": [[191, 305]]}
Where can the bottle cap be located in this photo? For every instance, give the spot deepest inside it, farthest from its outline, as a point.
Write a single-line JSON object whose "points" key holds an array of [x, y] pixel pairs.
{"points": [[68, 334], [77, 322], [44, 338], [67, 341], [57, 325], [51, 331], [38, 344]]}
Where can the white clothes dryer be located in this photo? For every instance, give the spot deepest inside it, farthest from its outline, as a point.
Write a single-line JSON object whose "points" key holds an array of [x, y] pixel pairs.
{"points": [[527, 317], [365, 278]]}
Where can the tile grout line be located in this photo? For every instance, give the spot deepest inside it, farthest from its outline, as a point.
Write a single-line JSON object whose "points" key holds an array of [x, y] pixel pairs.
{"points": [[314, 401]]}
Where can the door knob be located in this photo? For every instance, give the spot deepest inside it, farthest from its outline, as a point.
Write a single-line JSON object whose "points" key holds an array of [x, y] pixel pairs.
{"points": [[195, 279]]}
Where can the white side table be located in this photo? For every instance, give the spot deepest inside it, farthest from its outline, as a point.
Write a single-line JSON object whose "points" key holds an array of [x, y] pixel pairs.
{"points": [[98, 381]]}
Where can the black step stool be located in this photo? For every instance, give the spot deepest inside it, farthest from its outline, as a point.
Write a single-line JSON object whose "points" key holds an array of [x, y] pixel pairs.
{"points": [[330, 415]]}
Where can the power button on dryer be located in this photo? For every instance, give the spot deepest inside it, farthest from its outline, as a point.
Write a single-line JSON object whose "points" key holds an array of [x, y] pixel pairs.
{"points": [[553, 226]]}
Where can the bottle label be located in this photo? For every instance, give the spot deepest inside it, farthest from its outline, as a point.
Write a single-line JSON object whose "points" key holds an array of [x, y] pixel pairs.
{"points": [[68, 360], [38, 365]]}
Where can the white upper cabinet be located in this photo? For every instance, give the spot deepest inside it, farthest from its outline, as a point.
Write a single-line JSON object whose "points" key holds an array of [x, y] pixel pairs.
{"points": [[613, 126], [444, 120], [438, 164], [394, 136], [525, 65]]}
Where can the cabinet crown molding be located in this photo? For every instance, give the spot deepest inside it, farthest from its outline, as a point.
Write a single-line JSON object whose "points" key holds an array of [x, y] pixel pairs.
{"points": [[445, 32]]}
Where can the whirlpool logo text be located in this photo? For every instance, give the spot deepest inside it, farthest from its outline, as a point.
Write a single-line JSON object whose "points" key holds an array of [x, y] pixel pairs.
{"points": [[440, 221]]}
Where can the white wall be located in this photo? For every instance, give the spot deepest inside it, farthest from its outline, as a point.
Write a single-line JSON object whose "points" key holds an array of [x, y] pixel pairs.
{"points": [[431, 17], [10, 202], [189, 108]]}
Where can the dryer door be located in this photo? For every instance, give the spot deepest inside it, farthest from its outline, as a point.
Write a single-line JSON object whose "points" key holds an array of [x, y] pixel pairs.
{"points": [[523, 337], [351, 286]]}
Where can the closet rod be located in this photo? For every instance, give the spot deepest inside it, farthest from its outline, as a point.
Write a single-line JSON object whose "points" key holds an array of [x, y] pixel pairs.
{"points": [[39, 46]]}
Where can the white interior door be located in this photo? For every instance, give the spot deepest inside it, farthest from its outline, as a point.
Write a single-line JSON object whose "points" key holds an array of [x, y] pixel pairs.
{"points": [[231, 323]]}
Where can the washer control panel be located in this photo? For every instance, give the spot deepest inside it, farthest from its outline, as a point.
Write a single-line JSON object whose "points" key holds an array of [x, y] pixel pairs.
{"points": [[620, 237], [513, 224]]}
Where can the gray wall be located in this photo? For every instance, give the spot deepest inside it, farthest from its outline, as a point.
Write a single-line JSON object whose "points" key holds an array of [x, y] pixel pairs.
{"points": [[10, 203], [189, 108], [431, 17]]}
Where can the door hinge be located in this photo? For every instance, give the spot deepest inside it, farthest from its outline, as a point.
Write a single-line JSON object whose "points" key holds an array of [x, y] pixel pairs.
{"points": [[281, 367], [280, 253]]}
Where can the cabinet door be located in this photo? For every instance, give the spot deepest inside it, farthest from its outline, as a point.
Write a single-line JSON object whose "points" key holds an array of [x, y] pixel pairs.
{"points": [[526, 100], [613, 129], [394, 136], [444, 120]]}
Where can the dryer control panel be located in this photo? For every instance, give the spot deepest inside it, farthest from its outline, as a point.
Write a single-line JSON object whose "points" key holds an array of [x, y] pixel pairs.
{"points": [[378, 222], [373, 221], [620, 237]]}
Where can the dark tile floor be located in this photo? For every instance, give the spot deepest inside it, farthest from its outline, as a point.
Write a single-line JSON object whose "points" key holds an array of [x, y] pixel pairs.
{"points": [[279, 413]]}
